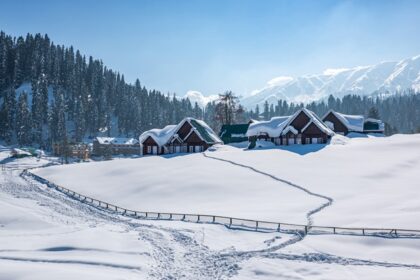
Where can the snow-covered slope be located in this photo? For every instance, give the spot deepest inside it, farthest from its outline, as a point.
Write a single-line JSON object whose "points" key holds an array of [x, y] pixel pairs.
{"points": [[373, 182], [47, 235], [363, 80]]}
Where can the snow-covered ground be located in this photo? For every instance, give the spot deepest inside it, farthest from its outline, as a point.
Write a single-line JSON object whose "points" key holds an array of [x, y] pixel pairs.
{"points": [[370, 181]]}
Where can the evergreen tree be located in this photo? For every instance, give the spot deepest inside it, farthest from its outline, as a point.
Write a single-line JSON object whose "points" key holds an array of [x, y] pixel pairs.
{"points": [[23, 121]]}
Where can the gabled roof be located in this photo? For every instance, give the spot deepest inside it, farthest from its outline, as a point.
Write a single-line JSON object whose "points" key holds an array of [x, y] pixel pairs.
{"points": [[164, 135], [161, 136], [273, 127], [321, 126], [352, 122], [276, 125], [204, 131], [289, 128], [116, 141]]}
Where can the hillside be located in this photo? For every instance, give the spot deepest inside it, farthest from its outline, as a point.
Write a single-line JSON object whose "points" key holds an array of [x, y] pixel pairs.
{"points": [[383, 78], [198, 184]]}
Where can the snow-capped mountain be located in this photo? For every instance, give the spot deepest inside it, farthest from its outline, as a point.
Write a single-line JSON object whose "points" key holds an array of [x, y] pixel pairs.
{"points": [[363, 80], [196, 96]]}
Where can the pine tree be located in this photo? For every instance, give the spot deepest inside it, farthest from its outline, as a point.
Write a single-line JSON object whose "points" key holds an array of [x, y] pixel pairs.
{"points": [[23, 121]]}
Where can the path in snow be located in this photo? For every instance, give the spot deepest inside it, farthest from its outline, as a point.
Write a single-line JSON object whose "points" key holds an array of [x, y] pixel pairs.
{"points": [[299, 235], [177, 253]]}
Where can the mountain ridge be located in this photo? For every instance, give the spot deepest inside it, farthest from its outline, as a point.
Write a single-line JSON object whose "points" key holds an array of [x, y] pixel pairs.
{"points": [[386, 76]]}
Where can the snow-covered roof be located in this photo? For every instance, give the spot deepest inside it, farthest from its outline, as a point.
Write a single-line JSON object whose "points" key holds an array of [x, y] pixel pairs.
{"points": [[117, 140], [272, 127], [164, 135], [313, 119], [277, 125], [352, 122], [289, 128], [204, 131], [160, 136]]}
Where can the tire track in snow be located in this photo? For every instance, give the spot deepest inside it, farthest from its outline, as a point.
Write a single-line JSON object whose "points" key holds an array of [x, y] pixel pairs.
{"points": [[308, 215]]}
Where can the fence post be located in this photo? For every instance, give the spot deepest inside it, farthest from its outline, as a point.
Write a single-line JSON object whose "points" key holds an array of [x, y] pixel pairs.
{"points": [[214, 219], [278, 228], [198, 218], [170, 216], [363, 231], [256, 225], [306, 229], [334, 230], [183, 217], [230, 222], [158, 216], [146, 215]]}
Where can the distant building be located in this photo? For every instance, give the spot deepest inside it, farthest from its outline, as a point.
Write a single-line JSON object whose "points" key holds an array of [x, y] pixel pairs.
{"points": [[189, 136], [106, 146], [373, 126], [344, 124], [234, 133], [303, 127]]}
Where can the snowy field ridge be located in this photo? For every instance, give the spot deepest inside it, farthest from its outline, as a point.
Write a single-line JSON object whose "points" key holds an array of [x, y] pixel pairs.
{"points": [[45, 234], [233, 222]]}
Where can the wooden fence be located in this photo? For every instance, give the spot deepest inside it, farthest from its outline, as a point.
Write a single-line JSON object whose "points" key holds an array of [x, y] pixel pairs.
{"points": [[231, 222]]}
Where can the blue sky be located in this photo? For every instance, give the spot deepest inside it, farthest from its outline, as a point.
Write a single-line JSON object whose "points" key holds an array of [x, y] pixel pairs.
{"points": [[212, 46]]}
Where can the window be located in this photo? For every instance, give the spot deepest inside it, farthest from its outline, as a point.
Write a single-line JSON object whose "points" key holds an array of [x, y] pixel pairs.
{"points": [[314, 140], [308, 141], [298, 140], [197, 149], [149, 149], [191, 149], [320, 140]]}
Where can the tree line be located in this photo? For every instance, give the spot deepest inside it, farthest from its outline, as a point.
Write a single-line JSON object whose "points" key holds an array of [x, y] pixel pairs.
{"points": [[399, 112], [73, 97]]}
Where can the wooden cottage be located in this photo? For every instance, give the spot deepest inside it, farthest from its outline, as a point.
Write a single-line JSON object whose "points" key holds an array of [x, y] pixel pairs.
{"points": [[303, 127], [344, 124], [107, 146], [189, 136]]}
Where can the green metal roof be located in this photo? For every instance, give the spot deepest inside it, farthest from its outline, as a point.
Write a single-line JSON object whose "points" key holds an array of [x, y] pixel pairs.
{"points": [[228, 129], [203, 132]]}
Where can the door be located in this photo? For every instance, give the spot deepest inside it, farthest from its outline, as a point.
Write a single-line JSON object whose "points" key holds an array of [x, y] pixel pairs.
{"points": [[155, 150], [291, 141], [191, 149], [314, 140], [197, 149], [177, 149]]}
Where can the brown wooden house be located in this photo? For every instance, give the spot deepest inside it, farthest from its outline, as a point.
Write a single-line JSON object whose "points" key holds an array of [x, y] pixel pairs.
{"points": [[303, 127], [344, 124], [189, 136]]}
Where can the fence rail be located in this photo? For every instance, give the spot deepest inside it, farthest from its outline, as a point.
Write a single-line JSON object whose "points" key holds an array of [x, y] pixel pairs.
{"points": [[231, 222]]}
